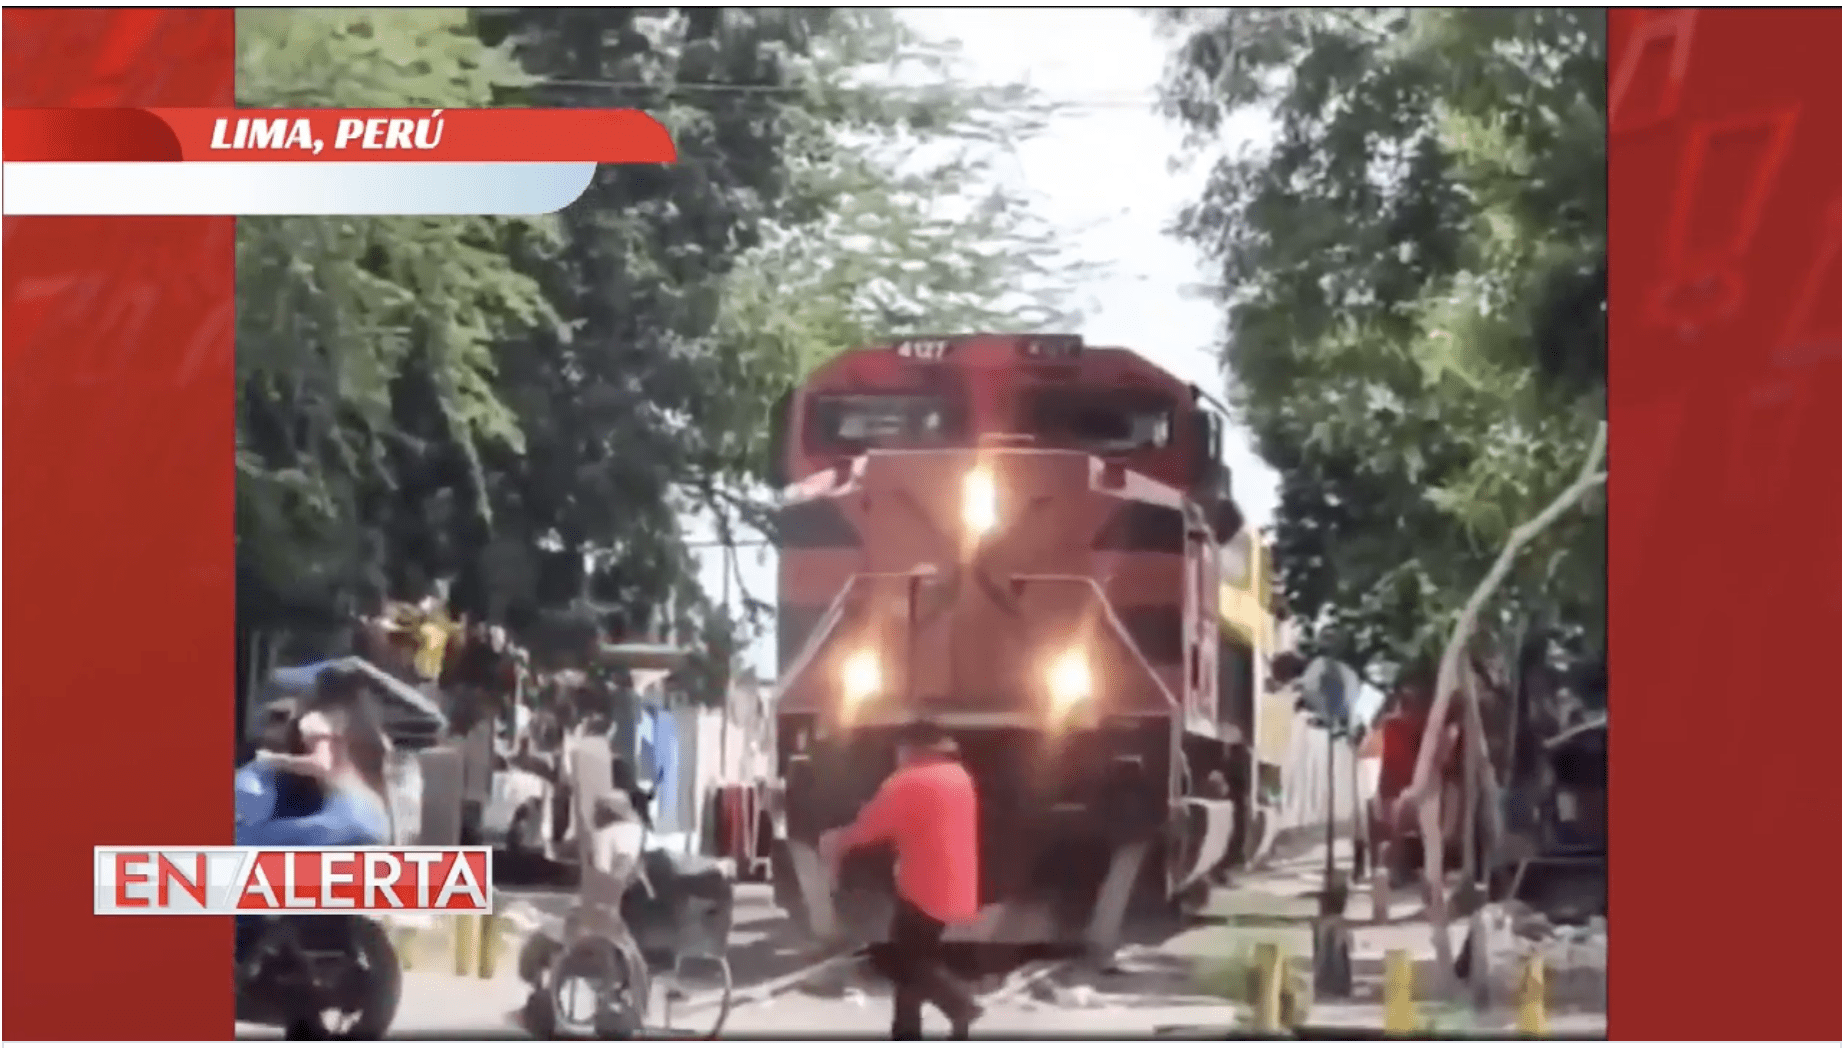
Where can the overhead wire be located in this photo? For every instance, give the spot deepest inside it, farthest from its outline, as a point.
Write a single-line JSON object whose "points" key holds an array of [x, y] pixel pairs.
{"points": [[917, 92], [1054, 105]]}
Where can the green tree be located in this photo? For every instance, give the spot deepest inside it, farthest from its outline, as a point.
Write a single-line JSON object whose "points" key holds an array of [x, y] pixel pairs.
{"points": [[1413, 280], [636, 408], [898, 218], [530, 409], [365, 346], [826, 201]]}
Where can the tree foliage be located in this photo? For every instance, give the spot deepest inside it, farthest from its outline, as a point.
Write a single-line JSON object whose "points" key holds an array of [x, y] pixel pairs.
{"points": [[529, 409], [898, 217], [366, 346], [1413, 278]]}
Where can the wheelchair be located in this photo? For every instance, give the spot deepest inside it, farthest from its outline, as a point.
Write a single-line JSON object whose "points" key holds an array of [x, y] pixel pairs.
{"points": [[599, 975]]}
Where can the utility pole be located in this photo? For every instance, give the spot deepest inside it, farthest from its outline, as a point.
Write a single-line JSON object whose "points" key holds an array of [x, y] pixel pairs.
{"points": [[723, 729], [1331, 812], [1329, 689]]}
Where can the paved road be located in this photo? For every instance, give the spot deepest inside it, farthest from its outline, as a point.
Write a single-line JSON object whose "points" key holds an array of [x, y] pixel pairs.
{"points": [[1154, 985], [782, 989]]}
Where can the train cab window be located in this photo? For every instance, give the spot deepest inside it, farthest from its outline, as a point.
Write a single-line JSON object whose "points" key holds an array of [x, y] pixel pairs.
{"points": [[853, 422], [1103, 421]]}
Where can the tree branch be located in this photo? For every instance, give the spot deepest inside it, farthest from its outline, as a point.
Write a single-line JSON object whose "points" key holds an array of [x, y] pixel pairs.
{"points": [[1421, 792]]}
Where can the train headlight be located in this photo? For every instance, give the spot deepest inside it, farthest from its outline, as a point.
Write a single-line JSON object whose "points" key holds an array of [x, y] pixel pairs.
{"points": [[860, 677], [1071, 683], [979, 503]]}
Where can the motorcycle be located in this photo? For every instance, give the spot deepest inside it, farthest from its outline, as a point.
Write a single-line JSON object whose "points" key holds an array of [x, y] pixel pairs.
{"points": [[316, 976]]}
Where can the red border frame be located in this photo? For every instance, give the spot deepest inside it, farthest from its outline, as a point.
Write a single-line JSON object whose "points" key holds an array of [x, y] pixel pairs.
{"points": [[1724, 530], [1725, 514], [118, 543]]}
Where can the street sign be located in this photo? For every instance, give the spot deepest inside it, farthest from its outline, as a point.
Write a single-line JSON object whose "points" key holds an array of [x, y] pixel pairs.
{"points": [[1328, 690]]}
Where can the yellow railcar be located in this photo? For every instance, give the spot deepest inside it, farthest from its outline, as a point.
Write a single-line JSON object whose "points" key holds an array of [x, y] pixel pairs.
{"points": [[1251, 636]]}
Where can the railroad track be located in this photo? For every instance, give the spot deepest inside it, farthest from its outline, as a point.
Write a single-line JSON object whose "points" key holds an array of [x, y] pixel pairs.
{"points": [[1069, 982], [1014, 986]]}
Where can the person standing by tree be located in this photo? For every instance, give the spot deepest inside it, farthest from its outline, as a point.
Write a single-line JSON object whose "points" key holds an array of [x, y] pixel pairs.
{"points": [[928, 809], [1403, 728]]}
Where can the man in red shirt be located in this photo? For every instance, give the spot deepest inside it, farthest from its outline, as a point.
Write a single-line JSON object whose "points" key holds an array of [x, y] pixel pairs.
{"points": [[1402, 729], [928, 810]]}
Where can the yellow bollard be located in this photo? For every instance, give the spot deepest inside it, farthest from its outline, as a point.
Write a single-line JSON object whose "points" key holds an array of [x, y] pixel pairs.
{"points": [[1270, 971], [466, 948], [403, 940], [491, 928], [1399, 994], [1297, 999], [1532, 999]]}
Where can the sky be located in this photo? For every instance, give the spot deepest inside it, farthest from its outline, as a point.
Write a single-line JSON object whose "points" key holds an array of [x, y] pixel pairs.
{"points": [[1102, 173]]}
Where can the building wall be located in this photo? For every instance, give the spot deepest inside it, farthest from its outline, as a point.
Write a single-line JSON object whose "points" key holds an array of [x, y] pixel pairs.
{"points": [[1274, 727], [1287, 741], [1298, 821]]}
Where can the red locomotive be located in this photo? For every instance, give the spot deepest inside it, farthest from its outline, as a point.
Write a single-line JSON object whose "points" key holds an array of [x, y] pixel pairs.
{"points": [[1018, 537]]}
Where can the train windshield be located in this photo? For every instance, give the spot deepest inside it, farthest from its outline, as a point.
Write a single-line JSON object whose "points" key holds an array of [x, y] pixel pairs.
{"points": [[1107, 421], [853, 422]]}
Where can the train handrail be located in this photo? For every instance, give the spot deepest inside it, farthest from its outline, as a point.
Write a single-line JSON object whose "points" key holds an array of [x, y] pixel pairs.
{"points": [[822, 632], [835, 611], [1019, 581]]}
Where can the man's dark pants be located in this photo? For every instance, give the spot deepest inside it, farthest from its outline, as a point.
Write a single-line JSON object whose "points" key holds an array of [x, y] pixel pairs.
{"points": [[912, 961]]}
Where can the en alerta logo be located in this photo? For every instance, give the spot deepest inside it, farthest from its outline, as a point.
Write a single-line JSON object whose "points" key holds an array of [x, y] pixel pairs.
{"points": [[241, 880]]}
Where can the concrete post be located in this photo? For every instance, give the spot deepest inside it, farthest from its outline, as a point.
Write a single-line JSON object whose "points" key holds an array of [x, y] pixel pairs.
{"points": [[441, 809]]}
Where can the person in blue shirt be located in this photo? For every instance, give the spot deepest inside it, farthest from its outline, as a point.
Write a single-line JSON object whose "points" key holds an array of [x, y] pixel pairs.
{"points": [[338, 744]]}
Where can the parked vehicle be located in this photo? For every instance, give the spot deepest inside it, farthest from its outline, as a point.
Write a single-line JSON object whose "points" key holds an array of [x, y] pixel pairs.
{"points": [[1556, 858], [318, 976]]}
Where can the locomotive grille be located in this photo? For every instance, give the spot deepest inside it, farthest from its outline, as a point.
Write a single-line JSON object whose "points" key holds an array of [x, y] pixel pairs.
{"points": [[1158, 630], [1143, 527], [794, 623], [815, 524]]}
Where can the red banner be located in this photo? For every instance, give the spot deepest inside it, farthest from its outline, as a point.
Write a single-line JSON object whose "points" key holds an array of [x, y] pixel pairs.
{"points": [[1723, 531], [609, 136], [119, 574]]}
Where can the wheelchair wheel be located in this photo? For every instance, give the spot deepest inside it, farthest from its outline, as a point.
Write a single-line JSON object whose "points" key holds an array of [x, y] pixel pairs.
{"points": [[598, 986]]}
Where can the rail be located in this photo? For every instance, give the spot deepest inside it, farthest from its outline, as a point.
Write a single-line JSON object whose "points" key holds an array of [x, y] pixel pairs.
{"points": [[1276, 1003]]}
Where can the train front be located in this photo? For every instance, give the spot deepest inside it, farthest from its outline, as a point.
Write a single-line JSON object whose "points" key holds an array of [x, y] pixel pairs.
{"points": [[985, 589]]}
